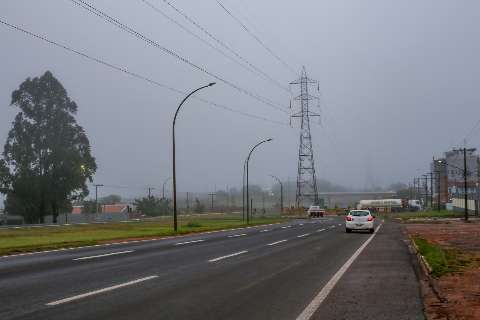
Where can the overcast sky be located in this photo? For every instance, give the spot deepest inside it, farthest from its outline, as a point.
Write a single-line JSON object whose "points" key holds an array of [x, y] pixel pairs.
{"points": [[398, 85]]}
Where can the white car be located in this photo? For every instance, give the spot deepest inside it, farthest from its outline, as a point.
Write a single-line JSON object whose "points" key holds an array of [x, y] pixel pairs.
{"points": [[359, 220], [315, 211]]}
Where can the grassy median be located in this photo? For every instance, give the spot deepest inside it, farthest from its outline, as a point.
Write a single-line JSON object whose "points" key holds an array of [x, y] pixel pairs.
{"points": [[44, 238]]}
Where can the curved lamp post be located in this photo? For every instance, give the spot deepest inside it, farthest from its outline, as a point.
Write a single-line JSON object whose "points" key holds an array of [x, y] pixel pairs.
{"points": [[281, 191], [174, 175], [163, 187], [248, 159]]}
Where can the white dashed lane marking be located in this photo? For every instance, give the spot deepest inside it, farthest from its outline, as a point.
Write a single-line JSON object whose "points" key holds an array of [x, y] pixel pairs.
{"points": [[188, 242], [303, 235], [91, 293], [237, 235], [276, 242], [228, 256], [103, 255]]}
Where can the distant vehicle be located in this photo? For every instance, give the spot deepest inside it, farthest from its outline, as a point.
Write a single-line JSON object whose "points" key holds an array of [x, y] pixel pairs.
{"points": [[315, 211], [415, 205], [382, 205], [359, 220]]}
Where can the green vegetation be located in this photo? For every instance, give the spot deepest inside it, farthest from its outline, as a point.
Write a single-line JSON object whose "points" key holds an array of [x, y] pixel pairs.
{"points": [[46, 161], [442, 261], [34, 239], [405, 216]]}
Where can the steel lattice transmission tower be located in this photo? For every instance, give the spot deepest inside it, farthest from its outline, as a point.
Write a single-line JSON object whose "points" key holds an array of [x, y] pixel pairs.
{"points": [[306, 177]]}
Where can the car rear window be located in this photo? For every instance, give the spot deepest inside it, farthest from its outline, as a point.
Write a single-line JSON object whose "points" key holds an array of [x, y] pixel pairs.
{"points": [[359, 213]]}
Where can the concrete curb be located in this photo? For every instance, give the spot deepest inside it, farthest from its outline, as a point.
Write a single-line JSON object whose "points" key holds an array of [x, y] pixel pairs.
{"points": [[427, 270]]}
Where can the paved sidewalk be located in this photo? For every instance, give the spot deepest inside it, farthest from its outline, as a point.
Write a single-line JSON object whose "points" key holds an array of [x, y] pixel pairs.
{"points": [[381, 283]]}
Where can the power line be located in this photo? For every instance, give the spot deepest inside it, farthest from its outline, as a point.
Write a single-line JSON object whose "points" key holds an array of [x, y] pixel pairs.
{"points": [[136, 75], [220, 42], [244, 27], [249, 69], [472, 130], [172, 53]]}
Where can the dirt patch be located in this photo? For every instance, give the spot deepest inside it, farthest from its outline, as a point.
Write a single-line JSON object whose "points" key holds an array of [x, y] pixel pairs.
{"points": [[460, 291]]}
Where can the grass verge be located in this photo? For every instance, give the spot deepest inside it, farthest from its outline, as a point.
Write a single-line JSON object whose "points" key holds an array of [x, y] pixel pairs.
{"points": [[14, 241], [405, 216], [442, 261]]}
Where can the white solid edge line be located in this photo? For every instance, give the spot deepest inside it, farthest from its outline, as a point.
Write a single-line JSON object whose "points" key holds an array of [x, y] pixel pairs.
{"points": [[308, 312], [276, 242], [320, 230], [188, 242], [303, 235], [91, 293], [103, 255], [228, 256], [237, 235]]}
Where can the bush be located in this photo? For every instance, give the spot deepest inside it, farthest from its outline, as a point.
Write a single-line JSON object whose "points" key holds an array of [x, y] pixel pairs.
{"points": [[193, 224]]}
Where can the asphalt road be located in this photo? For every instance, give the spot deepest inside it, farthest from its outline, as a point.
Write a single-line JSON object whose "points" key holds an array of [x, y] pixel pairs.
{"points": [[269, 272]]}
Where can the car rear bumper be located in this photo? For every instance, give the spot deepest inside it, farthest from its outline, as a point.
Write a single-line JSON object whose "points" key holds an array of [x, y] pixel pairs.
{"points": [[359, 225]]}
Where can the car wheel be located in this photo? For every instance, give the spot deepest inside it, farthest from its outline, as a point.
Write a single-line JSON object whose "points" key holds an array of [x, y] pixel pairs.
{"points": [[348, 230], [371, 230]]}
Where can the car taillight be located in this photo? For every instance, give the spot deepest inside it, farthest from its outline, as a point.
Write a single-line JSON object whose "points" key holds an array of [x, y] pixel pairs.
{"points": [[349, 218], [370, 218]]}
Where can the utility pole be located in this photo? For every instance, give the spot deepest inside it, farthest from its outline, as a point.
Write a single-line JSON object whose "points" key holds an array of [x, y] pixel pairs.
{"points": [[188, 204], [415, 188], [306, 177], [431, 189], [213, 194], [438, 189], [465, 182], [163, 187], [251, 206], [263, 202], [150, 192], [96, 196], [426, 189]]}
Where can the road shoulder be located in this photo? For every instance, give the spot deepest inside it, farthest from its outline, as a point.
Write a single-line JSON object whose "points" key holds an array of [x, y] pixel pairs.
{"points": [[381, 284]]}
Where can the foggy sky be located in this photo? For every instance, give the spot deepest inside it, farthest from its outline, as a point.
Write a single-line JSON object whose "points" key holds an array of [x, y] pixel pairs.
{"points": [[398, 84]]}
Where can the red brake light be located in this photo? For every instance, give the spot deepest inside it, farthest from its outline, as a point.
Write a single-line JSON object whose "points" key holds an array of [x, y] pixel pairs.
{"points": [[349, 218], [370, 218]]}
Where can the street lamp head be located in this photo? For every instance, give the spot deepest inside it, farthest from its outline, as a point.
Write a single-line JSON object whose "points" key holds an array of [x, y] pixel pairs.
{"points": [[211, 84], [269, 139]]}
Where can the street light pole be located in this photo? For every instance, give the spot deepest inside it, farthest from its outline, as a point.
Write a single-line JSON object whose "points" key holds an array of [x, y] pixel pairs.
{"points": [[175, 224], [248, 159], [243, 189], [163, 188], [281, 191], [96, 196]]}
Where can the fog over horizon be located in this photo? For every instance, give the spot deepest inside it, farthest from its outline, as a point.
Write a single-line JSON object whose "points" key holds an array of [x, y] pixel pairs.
{"points": [[398, 84]]}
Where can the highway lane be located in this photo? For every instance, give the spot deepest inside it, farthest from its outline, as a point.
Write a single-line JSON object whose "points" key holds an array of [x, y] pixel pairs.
{"points": [[255, 273]]}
